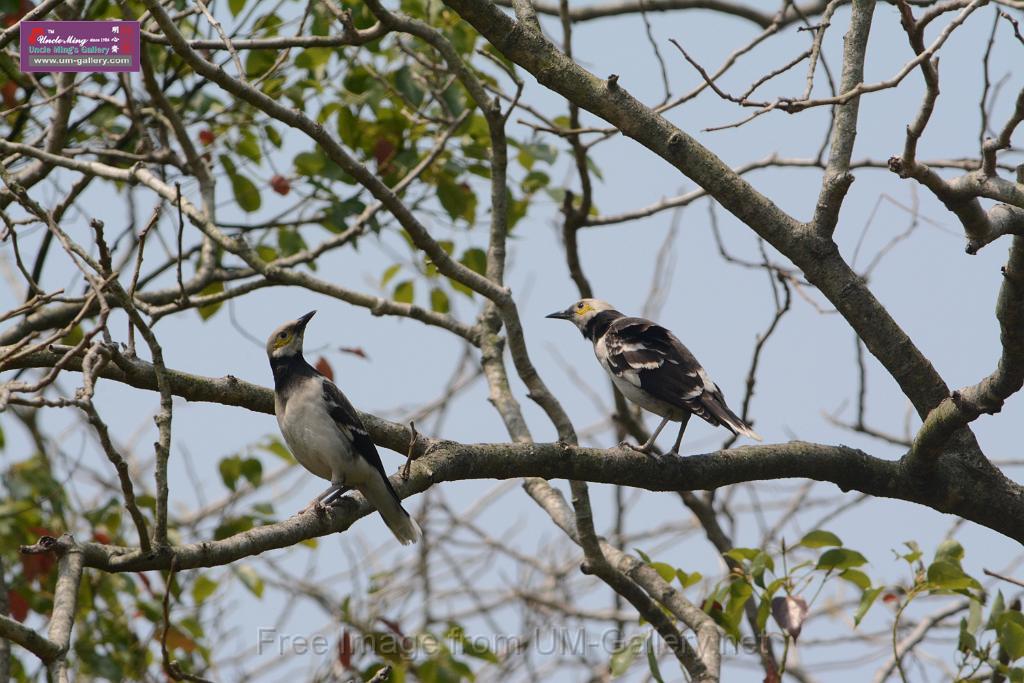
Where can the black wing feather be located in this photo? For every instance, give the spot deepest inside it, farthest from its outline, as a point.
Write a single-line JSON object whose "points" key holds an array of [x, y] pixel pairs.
{"points": [[344, 414], [665, 367]]}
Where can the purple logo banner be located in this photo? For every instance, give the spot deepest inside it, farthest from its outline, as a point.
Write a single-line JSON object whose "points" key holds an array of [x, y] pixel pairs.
{"points": [[80, 46]]}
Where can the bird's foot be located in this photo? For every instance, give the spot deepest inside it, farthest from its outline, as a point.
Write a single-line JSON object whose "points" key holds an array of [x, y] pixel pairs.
{"points": [[315, 506]]}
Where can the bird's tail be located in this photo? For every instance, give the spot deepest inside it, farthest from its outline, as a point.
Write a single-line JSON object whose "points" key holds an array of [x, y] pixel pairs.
{"points": [[380, 494], [732, 421]]}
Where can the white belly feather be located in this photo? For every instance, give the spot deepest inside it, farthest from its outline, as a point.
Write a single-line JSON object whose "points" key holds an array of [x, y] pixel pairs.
{"points": [[317, 441]]}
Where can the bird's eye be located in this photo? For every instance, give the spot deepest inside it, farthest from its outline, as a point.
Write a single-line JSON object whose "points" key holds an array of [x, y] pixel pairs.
{"points": [[579, 306], [282, 335]]}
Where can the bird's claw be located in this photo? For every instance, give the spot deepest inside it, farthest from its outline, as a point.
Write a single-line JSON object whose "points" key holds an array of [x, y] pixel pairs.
{"points": [[634, 447], [316, 506]]}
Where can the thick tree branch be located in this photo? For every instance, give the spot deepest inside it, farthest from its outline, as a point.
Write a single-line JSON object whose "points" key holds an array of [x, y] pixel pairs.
{"points": [[837, 178]]}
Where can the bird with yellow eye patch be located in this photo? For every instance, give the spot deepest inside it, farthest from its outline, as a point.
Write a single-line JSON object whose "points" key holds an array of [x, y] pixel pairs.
{"points": [[324, 432], [652, 368]]}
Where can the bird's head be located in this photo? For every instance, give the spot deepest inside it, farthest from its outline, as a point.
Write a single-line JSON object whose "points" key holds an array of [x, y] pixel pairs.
{"points": [[287, 340], [581, 312]]}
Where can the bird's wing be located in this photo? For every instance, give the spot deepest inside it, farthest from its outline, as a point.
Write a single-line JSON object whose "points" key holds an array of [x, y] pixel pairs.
{"points": [[655, 360], [347, 420]]}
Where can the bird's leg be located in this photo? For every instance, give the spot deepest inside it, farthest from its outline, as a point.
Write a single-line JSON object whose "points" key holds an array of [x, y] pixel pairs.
{"points": [[332, 492], [646, 447], [334, 497], [679, 439]]}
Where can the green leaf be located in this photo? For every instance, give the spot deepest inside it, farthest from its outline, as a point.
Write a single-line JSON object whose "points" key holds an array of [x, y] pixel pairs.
{"points": [[857, 578], [687, 580], [866, 600], [251, 579], [230, 470], [820, 539], [309, 163], [236, 6], [1011, 639], [248, 146], [763, 610], [840, 558], [624, 657], [252, 470], [457, 199], [289, 241], [739, 593], [207, 311], [275, 446], [740, 554], [643, 556], [439, 300], [73, 336], [998, 607], [273, 136], [666, 571], [202, 588], [966, 642], [246, 194], [947, 575], [652, 660], [950, 551], [405, 84], [475, 259], [915, 552], [267, 253], [535, 180], [389, 273], [404, 292]]}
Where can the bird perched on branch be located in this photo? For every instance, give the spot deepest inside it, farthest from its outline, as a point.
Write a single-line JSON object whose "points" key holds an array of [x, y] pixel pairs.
{"points": [[653, 369], [325, 434]]}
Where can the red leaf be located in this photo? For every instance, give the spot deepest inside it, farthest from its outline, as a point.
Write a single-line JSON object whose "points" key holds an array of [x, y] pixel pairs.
{"points": [[345, 650], [9, 93], [383, 150], [355, 351], [39, 565], [206, 136], [14, 17], [789, 613], [101, 537], [18, 605], [890, 597], [324, 368], [280, 185]]}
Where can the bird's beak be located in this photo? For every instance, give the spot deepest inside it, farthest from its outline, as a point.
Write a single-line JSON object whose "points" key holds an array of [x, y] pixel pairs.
{"points": [[560, 315], [301, 322]]}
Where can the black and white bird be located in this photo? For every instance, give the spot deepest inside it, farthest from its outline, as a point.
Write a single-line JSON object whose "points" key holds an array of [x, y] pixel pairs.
{"points": [[653, 369], [325, 434]]}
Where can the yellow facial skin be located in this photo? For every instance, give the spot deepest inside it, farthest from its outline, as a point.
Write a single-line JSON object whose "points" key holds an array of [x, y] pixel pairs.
{"points": [[282, 339], [582, 308]]}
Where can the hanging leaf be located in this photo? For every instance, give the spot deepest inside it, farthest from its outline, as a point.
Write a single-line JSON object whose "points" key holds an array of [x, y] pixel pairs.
{"points": [[404, 292], [324, 368], [623, 658], [207, 311], [820, 539], [251, 579], [439, 300], [789, 613], [246, 194]]}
